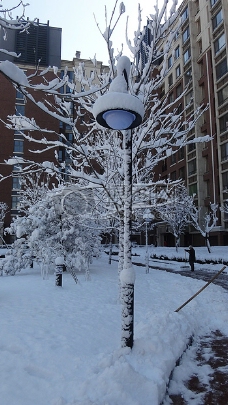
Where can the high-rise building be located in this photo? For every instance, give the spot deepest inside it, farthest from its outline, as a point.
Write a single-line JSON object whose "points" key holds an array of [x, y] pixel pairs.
{"points": [[197, 65]]}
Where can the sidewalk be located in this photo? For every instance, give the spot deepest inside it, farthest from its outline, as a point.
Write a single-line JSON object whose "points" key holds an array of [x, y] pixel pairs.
{"points": [[210, 353]]}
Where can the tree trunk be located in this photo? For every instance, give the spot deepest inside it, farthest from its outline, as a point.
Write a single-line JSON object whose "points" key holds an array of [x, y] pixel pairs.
{"points": [[208, 243]]}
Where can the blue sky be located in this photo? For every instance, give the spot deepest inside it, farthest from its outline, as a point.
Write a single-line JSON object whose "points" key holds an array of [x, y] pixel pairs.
{"points": [[79, 30]]}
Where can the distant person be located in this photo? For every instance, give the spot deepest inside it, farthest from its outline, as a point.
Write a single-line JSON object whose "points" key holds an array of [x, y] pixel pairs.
{"points": [[192, 256]]}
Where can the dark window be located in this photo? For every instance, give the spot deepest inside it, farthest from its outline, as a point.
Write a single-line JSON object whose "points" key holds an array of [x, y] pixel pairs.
{"points": [[220, 43], [177, 52], [170, 79], [192, 167], [16, 183], [191, 147], [187, 55], [184, 15], [178, 71], [193, 189], [217, 19], [19, 95], [179, 90], [15, 202], [221, 69], [224, 151], [170, 61], [223, 123], [225, 180], [181, 153], [173, 159], [171, 97], [18, 146], [182, 173], [223, 95], [173, 176], [20, 109], [185, 35], [188, 76]]}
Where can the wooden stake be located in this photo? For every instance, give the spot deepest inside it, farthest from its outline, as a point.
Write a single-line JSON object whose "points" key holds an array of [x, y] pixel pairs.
{"points": [[203, 288]]}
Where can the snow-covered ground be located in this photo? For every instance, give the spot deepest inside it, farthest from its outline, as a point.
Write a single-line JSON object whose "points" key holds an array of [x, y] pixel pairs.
{"points": [[61, 346]]}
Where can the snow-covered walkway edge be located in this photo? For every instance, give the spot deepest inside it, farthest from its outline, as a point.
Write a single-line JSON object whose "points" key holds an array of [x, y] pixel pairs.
{"points": [[61, 346]]}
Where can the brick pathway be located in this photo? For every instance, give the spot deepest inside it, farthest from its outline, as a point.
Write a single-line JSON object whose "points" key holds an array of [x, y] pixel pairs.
{"points": [[209, 356]]}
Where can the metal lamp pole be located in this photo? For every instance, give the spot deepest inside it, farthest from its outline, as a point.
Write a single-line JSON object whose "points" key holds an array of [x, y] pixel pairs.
{"points": [[119, 110]]}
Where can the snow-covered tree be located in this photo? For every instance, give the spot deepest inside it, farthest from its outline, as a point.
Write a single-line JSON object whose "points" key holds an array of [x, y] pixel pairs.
{"points": [[176, 211], [3, 209], [100, 158], [8, 22], [49, 230], [206, 224]]}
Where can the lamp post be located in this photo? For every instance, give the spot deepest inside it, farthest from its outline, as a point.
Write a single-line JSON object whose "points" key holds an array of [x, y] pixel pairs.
{"points": [[119, 110]]}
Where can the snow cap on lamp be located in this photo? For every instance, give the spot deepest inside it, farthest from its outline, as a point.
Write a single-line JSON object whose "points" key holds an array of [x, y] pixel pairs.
{"points": [[118, 109]]}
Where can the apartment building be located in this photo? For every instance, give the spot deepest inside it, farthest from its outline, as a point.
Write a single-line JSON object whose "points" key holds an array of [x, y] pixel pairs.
{"points": [[197, 65]]}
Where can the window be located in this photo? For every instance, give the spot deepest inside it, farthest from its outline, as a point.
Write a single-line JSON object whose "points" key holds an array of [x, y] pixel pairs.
{"points": [[177, 52], [19, 95], [70, 137], [192, 167], [173, 176], [185, 35], [225, 180], [179, 108], [188, 77], [224, 151], [18, 146], [176, 35], [221, 69], [17, 168], [213, 2], [170, 80], [188, 97], [184, 15], [223, 95], [173, 161], [179, 90], [20, 109], [15, 202], [220, 43], [170, 62], [178, 71], [16, 183], [182, 173], [223, 123], [171, 98], [217, 19], [181, 153], [191, 147], [198, 24], [193, 189], [60, 155], [187, 55]]}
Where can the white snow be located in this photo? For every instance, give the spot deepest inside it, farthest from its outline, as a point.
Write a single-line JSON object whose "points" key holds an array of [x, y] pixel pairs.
{"points": [[61, 345]]}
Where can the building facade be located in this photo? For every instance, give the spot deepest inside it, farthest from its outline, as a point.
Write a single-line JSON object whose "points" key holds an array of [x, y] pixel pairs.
{"points": [[197, 65]]}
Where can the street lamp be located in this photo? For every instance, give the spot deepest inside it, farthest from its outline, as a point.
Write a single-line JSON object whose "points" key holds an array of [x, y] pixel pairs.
{"points": [[120, 110]]}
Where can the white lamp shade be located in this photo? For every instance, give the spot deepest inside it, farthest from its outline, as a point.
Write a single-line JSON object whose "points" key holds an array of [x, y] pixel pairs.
{"points": [[119, 119]]}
